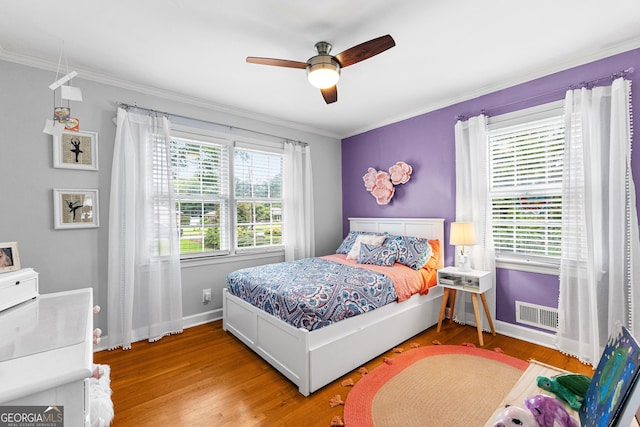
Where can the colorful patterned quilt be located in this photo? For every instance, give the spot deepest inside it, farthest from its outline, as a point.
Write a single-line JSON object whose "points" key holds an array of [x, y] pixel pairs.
{"points": [[312, 293]]}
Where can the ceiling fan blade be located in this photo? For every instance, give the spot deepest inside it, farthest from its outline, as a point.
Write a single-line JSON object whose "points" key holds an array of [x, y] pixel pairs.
{"points": [[277, 62], [330, 94], [365, 50]]}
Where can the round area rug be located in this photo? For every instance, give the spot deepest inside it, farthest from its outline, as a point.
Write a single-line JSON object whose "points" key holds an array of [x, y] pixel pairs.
{"points": [[440, 385]]}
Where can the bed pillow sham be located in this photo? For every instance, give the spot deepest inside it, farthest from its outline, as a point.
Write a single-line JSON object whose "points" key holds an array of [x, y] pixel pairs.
{"points": [[369, 239], [376, 255], [411, 251], [432, 264], [348, 241]]}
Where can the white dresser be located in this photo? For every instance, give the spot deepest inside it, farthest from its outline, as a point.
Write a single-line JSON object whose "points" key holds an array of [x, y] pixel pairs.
{"points": [[46, 353], [17, 286]]}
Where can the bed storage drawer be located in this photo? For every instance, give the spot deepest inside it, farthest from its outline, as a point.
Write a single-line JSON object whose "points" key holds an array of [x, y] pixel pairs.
{"points": [[17, 286]]}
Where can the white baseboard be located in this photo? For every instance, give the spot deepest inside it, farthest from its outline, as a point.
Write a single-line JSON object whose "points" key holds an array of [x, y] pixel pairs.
{"points": [[202, 318], [514, 331], [545, 339], [187, 322]]}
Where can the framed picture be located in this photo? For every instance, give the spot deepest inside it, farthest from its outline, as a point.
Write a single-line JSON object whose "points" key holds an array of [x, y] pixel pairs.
{"points": [[75, 150], [9, 258], [75, 208]]}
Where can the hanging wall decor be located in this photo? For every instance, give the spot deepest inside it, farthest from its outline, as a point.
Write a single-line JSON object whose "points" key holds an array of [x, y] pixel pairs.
{"points": [[62, 119], [75, 150], [381, 183], [75, 208]]}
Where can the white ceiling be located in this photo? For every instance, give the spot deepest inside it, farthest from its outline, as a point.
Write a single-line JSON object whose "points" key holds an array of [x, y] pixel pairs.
{"points": [[446, 51]]}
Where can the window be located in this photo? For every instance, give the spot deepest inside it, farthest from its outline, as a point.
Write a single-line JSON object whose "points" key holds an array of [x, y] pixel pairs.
{"points": [[201, 187], [258, 192], [526, 161], [206, 207]]}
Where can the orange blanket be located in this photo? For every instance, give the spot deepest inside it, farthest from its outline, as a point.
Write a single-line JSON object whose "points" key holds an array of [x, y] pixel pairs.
{"points": [[406, 280]]}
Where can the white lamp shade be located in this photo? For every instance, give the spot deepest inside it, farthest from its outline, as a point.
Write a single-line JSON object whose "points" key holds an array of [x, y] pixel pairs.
{"points": [[323, 78], [462, 234], [323, 71]]}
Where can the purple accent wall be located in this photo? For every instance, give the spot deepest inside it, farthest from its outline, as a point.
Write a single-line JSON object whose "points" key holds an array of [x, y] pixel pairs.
{"points": [[426, 142], [541, 289]]}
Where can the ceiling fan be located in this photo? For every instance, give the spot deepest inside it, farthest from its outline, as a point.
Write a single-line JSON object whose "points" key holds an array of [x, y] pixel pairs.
{"points": [[323, 70]]}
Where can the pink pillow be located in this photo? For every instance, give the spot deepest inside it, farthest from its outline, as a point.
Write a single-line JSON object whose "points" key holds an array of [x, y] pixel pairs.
{"points": [[369, 239]]}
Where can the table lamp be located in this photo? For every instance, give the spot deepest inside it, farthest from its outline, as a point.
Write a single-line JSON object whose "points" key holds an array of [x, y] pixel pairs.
{"points": [[462, 234]]}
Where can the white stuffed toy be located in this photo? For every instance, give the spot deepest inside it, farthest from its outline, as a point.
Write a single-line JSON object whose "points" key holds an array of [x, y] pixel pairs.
{"points": [[514, 416], [101, 406]]}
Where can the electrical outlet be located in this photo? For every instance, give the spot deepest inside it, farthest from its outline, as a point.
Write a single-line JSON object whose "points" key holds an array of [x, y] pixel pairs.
{"points": [[206, 296]]}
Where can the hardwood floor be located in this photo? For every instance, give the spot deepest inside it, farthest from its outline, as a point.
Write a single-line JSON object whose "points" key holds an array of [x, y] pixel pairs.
{"points": [[206, 377]]}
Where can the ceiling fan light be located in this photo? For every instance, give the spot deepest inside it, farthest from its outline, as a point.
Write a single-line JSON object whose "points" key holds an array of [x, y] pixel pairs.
{"points": [[323, 71]]}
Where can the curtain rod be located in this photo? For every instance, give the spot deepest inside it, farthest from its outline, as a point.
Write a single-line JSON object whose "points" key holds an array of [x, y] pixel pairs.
{"points": [[231, 128], [588, 84]]}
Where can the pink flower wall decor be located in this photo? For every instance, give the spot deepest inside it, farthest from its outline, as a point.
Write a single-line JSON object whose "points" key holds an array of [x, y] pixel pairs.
{"points": [[370, 179], [383, 189], [381, 184], [400, 173]]}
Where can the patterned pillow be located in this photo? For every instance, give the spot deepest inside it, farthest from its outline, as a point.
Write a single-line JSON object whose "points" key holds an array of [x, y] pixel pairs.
{"points": [[376, 255], [413, 252], [370, 239], [348, 241]]}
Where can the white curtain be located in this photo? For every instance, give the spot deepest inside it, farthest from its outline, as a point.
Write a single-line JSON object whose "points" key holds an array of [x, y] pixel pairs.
{"points": [[474, 205], [144, 285], [600, 246], [298, 223]]}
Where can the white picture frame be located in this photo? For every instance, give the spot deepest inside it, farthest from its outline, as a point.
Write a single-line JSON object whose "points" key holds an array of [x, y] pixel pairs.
{"points": [[75, 208], [76, 150], [9, 257]]}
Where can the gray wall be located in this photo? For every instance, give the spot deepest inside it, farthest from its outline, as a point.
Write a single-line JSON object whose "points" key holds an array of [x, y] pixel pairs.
{"points": [[73, 259]]}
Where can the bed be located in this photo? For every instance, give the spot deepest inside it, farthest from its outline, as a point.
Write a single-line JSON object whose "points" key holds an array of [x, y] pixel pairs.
{"points": [[312, 359]]}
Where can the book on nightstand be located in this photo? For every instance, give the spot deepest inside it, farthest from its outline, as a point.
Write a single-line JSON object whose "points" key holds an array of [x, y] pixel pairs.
{"points": [[450, 281]]}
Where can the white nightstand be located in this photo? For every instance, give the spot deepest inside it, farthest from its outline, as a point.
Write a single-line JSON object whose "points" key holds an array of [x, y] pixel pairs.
{"points": [[476, 282]]}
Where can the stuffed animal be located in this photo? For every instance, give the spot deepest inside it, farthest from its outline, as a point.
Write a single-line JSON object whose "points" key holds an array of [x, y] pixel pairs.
{"points": [[514, 416], [548, 410], [569, 387], [97, 333]]}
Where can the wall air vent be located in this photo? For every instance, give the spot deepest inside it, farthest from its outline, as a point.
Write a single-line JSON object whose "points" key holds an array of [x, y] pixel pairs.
{"points": [[537, 315]]}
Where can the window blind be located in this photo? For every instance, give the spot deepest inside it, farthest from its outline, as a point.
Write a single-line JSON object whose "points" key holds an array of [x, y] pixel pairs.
{"points": [[526, 165], [574, 243], [201, 187], [257, 174]]}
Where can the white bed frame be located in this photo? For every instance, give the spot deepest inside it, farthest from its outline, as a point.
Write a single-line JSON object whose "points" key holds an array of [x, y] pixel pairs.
{"points": [[314, 359]]}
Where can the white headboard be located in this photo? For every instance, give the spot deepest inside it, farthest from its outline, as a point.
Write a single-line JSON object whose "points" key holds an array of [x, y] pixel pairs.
{"points": [[429, 228]]}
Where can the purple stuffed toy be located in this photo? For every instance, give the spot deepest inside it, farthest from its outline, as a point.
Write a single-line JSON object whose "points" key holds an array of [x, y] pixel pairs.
{"points": [[547, 411], [515, 416]]}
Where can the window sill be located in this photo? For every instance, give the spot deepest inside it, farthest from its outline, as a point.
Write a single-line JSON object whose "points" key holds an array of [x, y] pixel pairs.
{"points": [[277, 254], [528, 266]]}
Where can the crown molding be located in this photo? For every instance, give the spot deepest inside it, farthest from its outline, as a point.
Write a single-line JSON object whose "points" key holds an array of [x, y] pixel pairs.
{"points": [[549, 69], [604, 52], [106, 79]]}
